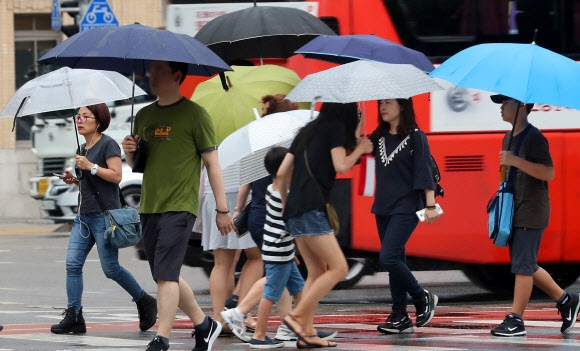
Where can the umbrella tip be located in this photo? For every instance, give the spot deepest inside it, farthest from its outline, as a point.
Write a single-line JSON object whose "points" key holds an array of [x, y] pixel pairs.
{"points": [[229, 81], [535, 36]]}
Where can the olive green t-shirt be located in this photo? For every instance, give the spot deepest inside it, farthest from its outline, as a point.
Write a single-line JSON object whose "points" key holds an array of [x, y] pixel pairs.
{"points": [[174, 138]]}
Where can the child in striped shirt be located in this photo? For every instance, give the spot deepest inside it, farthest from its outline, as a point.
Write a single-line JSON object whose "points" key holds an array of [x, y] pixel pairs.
{"points": [[277, 254]]}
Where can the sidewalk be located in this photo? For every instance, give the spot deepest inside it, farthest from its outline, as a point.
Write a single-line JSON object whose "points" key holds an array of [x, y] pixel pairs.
{"points": [[27, 225]]}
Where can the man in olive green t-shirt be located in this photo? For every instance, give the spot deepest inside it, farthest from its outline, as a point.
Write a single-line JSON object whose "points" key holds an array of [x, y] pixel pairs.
{"points": [[177, 135]]}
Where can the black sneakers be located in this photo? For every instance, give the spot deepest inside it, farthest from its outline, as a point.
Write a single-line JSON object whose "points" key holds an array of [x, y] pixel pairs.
{"points": [[147, 310], [569, 312], [157, 345], [425, 308], [511, 326], [204, 339], [71, 324], [396, 324]]}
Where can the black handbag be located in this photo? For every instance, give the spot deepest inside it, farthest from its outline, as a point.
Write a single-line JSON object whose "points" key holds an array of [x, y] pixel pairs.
{"points": [[139, 157], [241, 221]]}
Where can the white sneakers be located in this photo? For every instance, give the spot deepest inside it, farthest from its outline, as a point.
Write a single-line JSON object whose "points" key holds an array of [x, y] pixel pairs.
{"points": [[236, 324]]}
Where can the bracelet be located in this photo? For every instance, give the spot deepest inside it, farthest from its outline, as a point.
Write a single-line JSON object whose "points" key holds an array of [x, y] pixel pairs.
{"points": [[222, 212], [431, 207]]}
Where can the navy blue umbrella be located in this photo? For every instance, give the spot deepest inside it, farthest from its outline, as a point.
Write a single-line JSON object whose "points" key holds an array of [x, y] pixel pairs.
{"points": [[130, 49], [348, 48]]}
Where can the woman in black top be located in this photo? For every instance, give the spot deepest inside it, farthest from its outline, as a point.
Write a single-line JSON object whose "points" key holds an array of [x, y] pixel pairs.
{"points": [[99, 163], [404, 185], [329, 145]]}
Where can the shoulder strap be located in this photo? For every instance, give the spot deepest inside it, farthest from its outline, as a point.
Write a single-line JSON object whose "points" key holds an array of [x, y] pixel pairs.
{"points": [[521, 137], [313, 177], [97, 196]]}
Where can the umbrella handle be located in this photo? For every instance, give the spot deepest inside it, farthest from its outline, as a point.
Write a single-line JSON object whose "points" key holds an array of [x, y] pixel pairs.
{"points": [[16, 115], [502, 173]]}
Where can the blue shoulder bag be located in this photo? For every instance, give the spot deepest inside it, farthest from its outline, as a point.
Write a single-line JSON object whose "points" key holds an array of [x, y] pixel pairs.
{"points": [[501, 206], [123, 224]]}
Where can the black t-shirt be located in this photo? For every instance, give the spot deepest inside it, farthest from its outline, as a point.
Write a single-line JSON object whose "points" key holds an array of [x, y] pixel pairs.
{"points": [[109, 192], [403, 172], [532, 203], [304, 191]]}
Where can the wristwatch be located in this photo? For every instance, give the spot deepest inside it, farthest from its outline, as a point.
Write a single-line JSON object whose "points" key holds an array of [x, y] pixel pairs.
{"points": [[94, 169]]}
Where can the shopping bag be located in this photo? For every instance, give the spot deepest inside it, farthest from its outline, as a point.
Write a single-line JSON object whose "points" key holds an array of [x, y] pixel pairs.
{"points": [[366, 185], [501, 211]]}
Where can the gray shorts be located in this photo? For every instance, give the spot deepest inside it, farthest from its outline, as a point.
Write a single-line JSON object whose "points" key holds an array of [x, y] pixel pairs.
{"points": [[165, 240], [524, 246]]}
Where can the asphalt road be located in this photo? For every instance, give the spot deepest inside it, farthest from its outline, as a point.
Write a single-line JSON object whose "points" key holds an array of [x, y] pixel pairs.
{"points": [[32, 296]]}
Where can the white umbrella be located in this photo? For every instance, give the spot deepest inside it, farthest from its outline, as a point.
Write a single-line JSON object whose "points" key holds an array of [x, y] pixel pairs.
{"points": [[362, 81], [241, 154], [68, 88]]}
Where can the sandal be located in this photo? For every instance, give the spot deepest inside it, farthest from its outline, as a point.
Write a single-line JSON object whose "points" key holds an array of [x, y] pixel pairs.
{"points": [[314, 342], [294, 325]]}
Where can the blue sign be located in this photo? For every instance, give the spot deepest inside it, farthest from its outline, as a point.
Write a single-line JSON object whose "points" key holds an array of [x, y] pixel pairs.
{"points": [[99, 14], [55, 19]]}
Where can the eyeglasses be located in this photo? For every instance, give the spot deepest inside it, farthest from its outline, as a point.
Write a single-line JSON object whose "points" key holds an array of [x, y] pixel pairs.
{"points": [[83, 118]]}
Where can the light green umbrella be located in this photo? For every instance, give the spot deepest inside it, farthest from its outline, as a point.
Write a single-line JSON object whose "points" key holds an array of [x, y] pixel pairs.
{"points": [[232, 109]]}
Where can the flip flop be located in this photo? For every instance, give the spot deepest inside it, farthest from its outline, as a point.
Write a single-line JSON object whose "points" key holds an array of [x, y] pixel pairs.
{"points": [[314, 342], [294, 325]]}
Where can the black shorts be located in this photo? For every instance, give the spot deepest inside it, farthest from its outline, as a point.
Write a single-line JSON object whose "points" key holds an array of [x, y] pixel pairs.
{"points": [[165, 240], [524, 247]]}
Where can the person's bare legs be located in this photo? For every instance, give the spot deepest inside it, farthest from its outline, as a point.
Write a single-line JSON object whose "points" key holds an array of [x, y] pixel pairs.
{"points": [[188, 304], [522, 292], [171, 295], [252, 271], [326, 266], [544, 281], [221, 279], [264, 311]]}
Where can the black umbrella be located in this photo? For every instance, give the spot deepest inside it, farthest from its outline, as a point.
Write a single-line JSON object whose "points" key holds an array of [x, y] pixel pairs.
{"points": [[261, 32]]}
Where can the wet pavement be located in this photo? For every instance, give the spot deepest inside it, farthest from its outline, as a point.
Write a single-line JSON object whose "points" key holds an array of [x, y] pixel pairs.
{"points": [[32, 296]]}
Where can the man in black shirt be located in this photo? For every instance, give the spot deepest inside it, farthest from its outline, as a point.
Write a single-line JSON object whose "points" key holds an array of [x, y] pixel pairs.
{"points": [[534, 169]]}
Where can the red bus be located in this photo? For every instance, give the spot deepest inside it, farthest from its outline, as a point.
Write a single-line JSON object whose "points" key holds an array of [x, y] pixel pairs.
{"points": [[465, 131]]}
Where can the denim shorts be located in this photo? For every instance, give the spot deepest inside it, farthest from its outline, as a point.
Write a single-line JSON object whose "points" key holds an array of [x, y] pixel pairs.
{"points": [[312, 222], [280, 276]]}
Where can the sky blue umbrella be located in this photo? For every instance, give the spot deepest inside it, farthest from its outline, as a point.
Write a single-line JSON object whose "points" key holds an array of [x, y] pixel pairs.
{"points": [[348, 48], [525, 72], [130, 49]]}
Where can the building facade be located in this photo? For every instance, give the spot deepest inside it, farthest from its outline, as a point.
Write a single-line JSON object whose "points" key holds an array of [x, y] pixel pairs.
{"points": [[25, 35]]}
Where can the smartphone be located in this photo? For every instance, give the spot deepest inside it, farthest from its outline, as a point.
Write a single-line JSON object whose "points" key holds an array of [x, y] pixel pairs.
{"points": [[421, 213], [63, 176]]}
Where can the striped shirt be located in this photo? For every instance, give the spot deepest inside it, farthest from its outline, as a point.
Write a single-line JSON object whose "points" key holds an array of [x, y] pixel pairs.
{"points": [[278, 245]]}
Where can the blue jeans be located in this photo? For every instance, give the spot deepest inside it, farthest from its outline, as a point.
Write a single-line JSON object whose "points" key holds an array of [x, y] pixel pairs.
{"points": [[88, 230], [394, 232], [280, 276]]}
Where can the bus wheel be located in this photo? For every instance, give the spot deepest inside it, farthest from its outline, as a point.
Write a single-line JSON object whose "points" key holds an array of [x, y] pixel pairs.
{"points": [[500, 280], [358, 267]]}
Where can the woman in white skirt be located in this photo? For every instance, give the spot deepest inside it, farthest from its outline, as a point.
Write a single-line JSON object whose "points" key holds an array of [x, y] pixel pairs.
{"points": [[226, 252]]}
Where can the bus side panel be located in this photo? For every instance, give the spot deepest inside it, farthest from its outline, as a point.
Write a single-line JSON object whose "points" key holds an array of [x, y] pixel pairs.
{"points": [[470, 176], [568, 169]]}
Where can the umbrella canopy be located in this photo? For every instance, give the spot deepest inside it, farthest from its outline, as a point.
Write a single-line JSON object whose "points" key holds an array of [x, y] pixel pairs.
{"points": [[130, 49], [363, 81], [241, 154], [525, 72], [232, 109], [261, 32], [68, 88], [348, 48]]}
